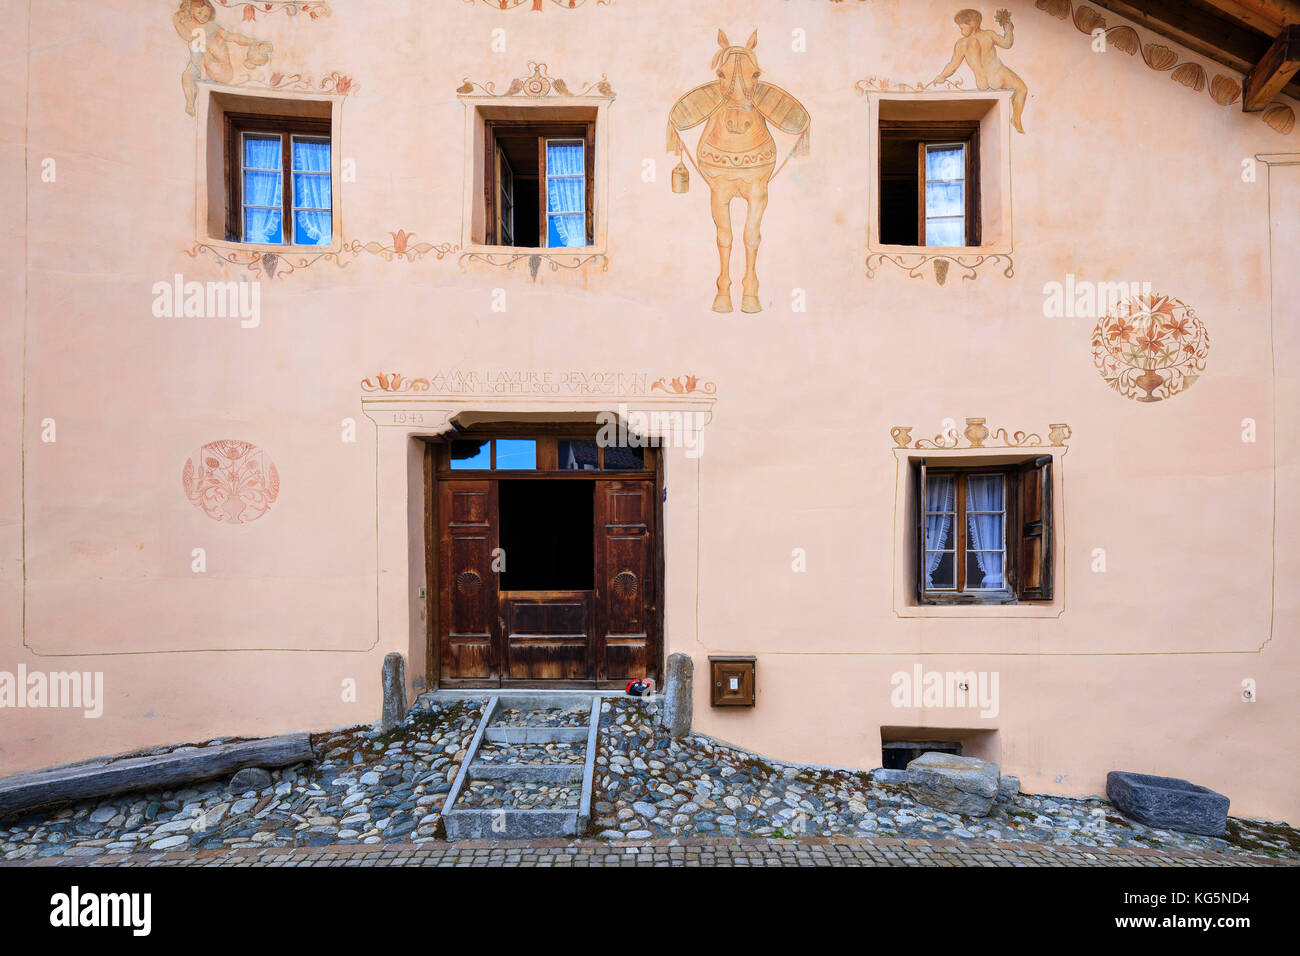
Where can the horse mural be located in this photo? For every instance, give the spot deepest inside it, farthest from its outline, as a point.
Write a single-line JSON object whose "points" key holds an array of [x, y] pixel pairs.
{"points": [[736, 152]]}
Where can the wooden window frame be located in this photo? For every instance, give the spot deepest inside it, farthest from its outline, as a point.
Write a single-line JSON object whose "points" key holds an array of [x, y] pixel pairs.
{"points": [[1016, 530], [936, 133], [584, 130], [286, 127], [547, 456]]}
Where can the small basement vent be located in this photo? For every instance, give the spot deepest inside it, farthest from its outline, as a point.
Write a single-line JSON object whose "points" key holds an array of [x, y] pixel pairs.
{"points": [[897, 754]]}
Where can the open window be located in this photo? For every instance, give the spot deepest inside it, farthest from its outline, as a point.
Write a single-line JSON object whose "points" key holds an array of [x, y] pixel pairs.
{"points": [[538, 183], [984, 533], [929, 183], [278, 171]]}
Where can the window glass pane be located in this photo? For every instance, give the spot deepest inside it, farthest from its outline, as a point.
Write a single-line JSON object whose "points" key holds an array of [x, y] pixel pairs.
{"points": [[565, 194], [945, 162], [984, 493], [577, 455], [983, 570], [263, 225], [311, 228], [567, 231], [261, 188], [618, 458], [516, 453], [261, 151], [941, 570], [944, 199], [311, 155], [471, 455], [945, 232], [311, 191], [564, 157]]}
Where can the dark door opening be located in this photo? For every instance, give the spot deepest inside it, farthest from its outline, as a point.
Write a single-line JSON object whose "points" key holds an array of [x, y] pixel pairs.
{"points": [[546, 535]]}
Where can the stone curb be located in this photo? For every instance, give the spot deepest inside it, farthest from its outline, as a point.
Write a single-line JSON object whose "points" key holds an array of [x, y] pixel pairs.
{"points": [[395, 850]]}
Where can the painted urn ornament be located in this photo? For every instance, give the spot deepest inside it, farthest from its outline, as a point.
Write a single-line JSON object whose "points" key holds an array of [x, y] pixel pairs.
{"points": [[1150, 347], [736, 154]]}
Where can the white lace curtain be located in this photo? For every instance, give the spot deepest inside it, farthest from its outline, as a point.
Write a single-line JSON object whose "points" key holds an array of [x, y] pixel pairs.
{"points": [[940, 497], [566, 195]]}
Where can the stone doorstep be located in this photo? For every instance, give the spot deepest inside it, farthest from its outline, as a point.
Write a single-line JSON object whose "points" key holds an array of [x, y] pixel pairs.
{"points": [[529, 772]]}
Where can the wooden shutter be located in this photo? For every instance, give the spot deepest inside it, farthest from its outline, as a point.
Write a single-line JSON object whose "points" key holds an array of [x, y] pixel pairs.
{"points": [[506, 200], [1034, 548], [920, 531], [589, 164], [467, 606]]}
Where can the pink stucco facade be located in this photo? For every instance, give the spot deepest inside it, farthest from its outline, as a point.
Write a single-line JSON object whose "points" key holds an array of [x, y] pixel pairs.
{"points": [[791, 536]]}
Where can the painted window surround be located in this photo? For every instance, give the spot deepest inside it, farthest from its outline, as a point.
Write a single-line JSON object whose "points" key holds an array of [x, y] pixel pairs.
{"points": [[993, 110], [905, 544], [214, 101], [479, 107]]}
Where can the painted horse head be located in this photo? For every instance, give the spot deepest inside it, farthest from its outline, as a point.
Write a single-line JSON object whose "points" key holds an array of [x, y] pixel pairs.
{"points": [[737, 70]]}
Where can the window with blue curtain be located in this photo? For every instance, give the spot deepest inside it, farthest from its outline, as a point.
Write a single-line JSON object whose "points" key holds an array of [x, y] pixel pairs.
{"points": [[945, 194], [281, 190], [566, 193], [311, 191], [263, 186]]}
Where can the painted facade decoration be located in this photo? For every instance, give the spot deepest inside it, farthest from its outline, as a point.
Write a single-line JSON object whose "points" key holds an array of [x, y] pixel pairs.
{"points": [[538, 83], [216, 54], [979, 435], [736, 152], [402, 247], [234, 482], [940, 263], [978, 48], [225, 57], [1223, 89], [1150, 347], [537, 6]]}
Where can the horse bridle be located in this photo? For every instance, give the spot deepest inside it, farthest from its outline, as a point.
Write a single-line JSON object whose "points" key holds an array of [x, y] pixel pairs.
{"points": [[736, 74]]}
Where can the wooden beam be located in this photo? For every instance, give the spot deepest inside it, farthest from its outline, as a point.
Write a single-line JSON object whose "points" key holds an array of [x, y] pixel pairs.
{"points": [[1266, 16], [1272, 72], [109, 777], [1213, 35]]}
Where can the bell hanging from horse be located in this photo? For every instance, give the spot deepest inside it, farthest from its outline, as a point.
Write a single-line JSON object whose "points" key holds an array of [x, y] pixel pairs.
{"points": [[736, 153]]}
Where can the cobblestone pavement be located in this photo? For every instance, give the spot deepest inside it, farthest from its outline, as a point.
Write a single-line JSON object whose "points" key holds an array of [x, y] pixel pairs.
{"points": [[368, 793], [807, 851]]}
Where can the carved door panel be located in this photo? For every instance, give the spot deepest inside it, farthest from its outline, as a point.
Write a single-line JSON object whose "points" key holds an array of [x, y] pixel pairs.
{"points": [[626, 643], [468, 514]]}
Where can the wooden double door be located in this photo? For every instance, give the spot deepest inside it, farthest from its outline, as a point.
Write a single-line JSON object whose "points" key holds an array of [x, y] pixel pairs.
{"points": [[547, 581]]}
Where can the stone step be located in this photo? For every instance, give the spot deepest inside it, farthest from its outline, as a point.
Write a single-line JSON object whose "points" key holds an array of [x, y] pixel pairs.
{"points": [[540, 772], [512, 824], [469, 813], [537, 735]]}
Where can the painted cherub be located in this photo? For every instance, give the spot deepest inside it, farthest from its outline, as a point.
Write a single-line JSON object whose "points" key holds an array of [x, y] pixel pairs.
{"points": [[979, 49], [214, 58]]}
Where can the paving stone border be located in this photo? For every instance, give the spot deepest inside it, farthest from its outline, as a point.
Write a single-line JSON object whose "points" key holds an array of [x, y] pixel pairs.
{"points": [[807, 851]]}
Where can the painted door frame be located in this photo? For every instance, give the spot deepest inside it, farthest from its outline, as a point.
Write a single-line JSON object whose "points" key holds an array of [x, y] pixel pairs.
{"points": [[407, 411]]}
